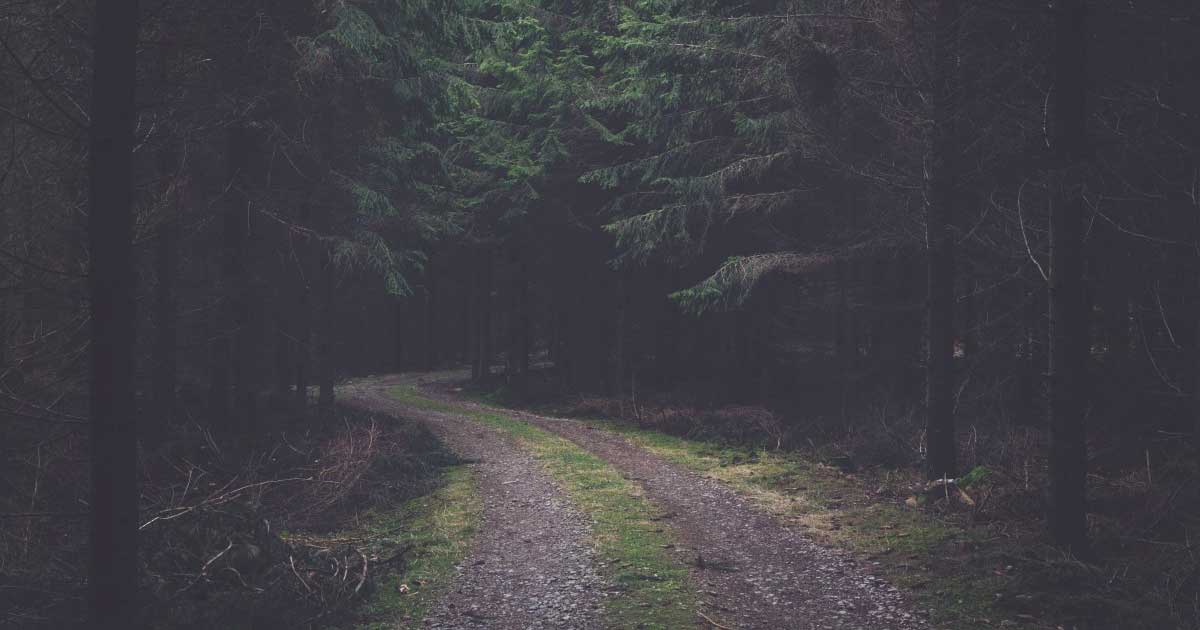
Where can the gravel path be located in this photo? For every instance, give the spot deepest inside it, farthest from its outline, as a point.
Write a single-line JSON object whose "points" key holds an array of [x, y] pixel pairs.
{"points": [[755, 572], [531, 565]]}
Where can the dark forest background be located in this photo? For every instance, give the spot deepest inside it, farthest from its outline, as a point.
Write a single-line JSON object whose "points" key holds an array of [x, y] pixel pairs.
{"points": [[939, 236]]}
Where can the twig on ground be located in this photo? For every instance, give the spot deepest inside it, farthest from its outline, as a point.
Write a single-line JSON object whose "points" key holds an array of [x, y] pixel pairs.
{"points": [[363, 578], [292, 562], [710, 620]]}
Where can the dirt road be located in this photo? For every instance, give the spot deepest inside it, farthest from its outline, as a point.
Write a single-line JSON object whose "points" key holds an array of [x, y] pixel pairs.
{"points": [[532, 566]]}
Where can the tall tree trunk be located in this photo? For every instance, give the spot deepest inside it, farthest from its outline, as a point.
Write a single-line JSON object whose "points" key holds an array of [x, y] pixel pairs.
{"points": [[484, 335], [843, 335], [164, 351], [283, 345], [464, 350], [113, 557], [230, 348], [1068, 300], [1033, 356], [475, 310], [29, 238], [5, 296], [237, 234], [620, 359], [399, 318], [327, 325], [303, 347], [518, 337], [970, 316], [940, 195], [431, 353], [1195, 362]]}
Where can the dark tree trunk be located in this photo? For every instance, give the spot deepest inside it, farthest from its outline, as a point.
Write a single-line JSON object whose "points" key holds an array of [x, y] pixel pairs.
{"points": [[518, 342], [843, 336], [303, 353], [400, 317], [473, 326], [431, 354], [29, 237], [1033, 356], [283, 346], [1195, 315], [940, 195], [164, 355], [620, 358], [970, 317], [4, 301], [666, 338], [326, 372], [1068, 300], [483, 359], [113, 561], [237, 272], [465, 341], [231, 345]]}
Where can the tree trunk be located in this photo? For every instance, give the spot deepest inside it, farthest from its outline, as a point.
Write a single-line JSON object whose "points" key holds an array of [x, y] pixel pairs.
{"points": [[113, 557], [164, 355], [1033, 357], [1068, 310], [620, 359], [431, 353], [283, 346], [230, 349], [5, 295], [326, 372], [970, 317], [237, 235], [303, 347], [466, 317], [399, 318], [842, 336], [483, 359], [518, 341], [940, 195]]}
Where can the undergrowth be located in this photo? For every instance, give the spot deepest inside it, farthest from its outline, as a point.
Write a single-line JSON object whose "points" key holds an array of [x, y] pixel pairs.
{"points": [[290, 529]]}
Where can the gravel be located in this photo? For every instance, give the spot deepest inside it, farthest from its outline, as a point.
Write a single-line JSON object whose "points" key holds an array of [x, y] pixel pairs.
{"points": [[755, 572], [531, 564]]}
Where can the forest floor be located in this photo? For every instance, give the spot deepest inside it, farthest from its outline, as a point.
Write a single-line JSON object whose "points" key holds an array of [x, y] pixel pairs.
{"points": [[582, 527]]}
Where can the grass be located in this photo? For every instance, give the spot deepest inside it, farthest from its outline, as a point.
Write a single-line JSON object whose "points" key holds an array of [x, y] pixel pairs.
{"points": [[430, 533], [438, 529], [654, 585]]}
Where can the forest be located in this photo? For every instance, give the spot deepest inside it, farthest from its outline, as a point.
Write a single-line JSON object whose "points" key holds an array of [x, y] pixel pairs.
{"points": [[608, 314]]}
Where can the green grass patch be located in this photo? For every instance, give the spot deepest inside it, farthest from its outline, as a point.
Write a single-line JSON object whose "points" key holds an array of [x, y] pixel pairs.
{"points": [[655, 590], [437, 529]]}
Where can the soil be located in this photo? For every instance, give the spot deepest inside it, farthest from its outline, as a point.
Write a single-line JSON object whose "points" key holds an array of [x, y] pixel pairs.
{"points": [[532, 568]]}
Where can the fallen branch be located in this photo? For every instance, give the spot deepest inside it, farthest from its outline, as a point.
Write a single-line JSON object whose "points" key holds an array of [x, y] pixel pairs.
{"points": [[176, 512], [292, 561]]}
